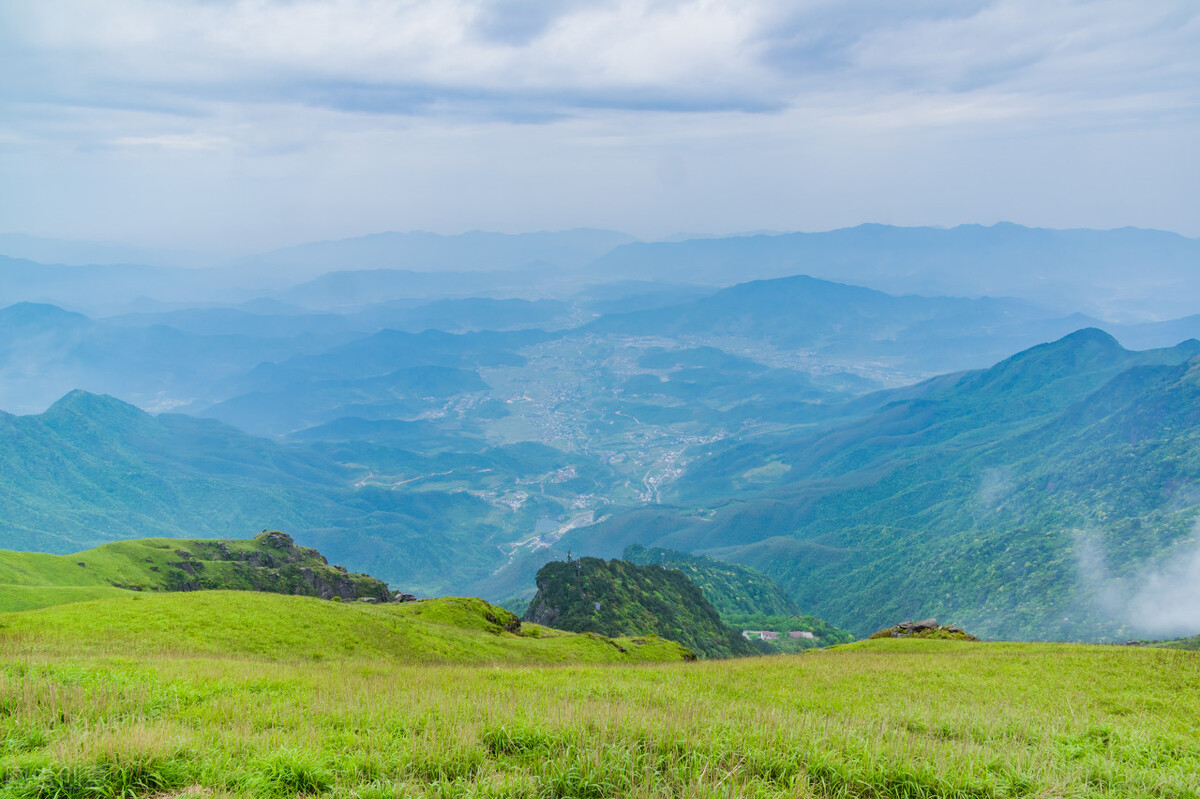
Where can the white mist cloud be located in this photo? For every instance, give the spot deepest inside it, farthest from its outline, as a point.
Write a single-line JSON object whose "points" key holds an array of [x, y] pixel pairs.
{"points": [[995, 486], [1166, 600]]}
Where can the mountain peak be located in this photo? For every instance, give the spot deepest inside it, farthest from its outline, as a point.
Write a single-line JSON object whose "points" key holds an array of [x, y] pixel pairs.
{"points": [[25, 314], [1039, 374], [80, 403], [1073, 351], [1090, 337]]}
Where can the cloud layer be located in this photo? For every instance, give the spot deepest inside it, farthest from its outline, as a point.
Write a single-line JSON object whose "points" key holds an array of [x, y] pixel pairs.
{"points": [[173, 121]]}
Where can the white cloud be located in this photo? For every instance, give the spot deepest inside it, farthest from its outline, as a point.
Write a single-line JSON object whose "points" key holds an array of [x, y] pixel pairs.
{"points": [[809, 114], [174, 142]]}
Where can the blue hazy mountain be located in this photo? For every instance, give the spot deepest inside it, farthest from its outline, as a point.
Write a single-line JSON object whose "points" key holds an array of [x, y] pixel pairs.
{"points": [[476, 251], [466, 314], [1107, 273], [624, 296], [401, 394], [1128, 274], [350, 290], [921, 334], [46, 351], [81, 252], [318, 276], [333, 329], [388, 375]]}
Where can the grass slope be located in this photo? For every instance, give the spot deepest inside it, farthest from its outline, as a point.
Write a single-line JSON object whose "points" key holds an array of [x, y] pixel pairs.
{"points": [[283, 628], [269, 562], [881, 719]]}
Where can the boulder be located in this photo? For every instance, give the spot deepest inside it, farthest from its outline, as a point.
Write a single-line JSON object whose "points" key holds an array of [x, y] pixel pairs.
{"points": [[927, 628]]}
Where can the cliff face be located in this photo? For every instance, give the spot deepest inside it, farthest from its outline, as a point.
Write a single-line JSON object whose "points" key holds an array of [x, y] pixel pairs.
{"points": [[616, 598]]}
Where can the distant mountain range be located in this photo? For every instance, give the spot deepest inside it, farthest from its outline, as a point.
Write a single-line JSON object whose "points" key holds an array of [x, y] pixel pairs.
{"points": [[46, 352], [1124, 275], [476, 251], [1128, 273]]}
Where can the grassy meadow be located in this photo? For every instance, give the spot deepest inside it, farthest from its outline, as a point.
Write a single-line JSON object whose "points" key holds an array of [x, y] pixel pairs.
{"points": [[158, 696]]}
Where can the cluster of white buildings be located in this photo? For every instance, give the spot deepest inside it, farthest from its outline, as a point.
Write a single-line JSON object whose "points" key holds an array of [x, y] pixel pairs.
{"points": [[768, 635]]}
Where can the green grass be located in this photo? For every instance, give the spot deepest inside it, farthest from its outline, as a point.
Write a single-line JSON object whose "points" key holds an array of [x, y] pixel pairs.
{"points": [[35, 580], [140, 564], [31, 580], [92, 707], [281, 627]]}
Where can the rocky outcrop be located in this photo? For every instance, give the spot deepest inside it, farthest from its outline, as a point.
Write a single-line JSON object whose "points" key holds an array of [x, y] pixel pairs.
{"points": [[927, 628], [270, 562]]}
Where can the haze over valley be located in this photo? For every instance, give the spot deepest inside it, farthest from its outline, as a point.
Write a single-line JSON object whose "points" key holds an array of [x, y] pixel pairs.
{"points": [[449, 413]]}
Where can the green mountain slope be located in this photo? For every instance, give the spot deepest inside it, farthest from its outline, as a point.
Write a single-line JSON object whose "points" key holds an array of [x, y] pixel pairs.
{"points": [[621, 598], [729, 587], [745, 598], [270, 562], [1036, 499]]}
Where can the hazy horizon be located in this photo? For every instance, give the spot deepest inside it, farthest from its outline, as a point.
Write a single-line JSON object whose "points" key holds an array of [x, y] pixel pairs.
{"points": [[11, 241]]}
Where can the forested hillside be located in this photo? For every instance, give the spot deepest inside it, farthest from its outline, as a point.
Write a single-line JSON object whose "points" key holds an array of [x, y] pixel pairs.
{"points": [[1047, 497], [617, 598]]}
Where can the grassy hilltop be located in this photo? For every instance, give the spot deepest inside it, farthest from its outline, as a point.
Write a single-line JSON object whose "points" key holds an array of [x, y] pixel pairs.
{"points": [[241, 624], [269, 562]]}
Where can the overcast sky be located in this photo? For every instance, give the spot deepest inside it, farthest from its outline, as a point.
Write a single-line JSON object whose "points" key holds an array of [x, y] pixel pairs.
{"points": [[250, 124]]}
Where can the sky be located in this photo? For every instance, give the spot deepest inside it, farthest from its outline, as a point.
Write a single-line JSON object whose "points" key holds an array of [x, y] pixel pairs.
{"points": [[242, 125]]}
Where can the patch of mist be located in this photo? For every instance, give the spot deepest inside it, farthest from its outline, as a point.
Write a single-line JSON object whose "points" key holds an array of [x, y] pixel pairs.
{"points": [[1167, 600], [995, 486], [1094, 577], [1160, 600]]}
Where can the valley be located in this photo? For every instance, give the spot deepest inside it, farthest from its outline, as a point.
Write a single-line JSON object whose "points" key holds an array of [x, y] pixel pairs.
{"points": [[880, 456]]}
